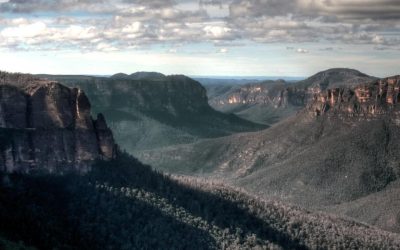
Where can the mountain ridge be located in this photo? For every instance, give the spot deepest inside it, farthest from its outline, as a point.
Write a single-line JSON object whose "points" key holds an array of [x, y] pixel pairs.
{"points": [[271, 101], [140, 75]]}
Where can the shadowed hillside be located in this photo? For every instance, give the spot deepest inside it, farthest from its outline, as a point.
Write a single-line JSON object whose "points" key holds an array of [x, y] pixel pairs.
{"points": [[124, 205]]}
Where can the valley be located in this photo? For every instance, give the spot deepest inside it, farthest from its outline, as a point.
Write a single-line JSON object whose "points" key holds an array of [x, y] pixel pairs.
{"points": [[329, 167], [337, 150]]}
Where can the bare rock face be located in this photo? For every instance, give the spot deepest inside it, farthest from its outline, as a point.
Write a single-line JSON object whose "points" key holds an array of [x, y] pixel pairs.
{"points": [[367, 100], [44, 124], [273, 93], [280, 94], [104, 137]]}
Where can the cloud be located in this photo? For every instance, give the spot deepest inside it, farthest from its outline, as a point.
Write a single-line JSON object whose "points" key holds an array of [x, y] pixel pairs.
{"points": [[125, 24], [345, 21], [218, 32], [29, 6], [173, 50], [302, 51], [327, 49], [353, 9], [218, 3]]}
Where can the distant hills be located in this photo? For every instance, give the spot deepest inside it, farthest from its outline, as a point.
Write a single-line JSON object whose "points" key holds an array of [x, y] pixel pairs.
{"points": [[154, 76], [268, 102], [334, 78], [148, 110]]}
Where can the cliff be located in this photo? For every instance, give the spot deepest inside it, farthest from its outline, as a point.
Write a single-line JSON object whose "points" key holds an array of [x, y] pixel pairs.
{"points": [[280, 94], [44, 124], [367, 100], [266, 93], [265, 102], [272, 101]]}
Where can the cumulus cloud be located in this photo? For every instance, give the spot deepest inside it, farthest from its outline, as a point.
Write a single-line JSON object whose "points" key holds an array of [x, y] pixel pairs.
{"points": [[346, 21], [353, 9], [28, 6], [123, 24], [302, 51]]}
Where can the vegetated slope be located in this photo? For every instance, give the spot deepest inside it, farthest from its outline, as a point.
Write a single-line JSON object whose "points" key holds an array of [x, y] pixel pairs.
{"points": [[380, 208], [124, 205], [335, 78], [269, 102], [156, 111], [9, 245], [340, 149], [155, 76]]}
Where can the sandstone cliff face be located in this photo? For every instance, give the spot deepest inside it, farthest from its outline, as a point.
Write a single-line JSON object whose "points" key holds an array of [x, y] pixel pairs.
{"points": [[265, 103], [367, 100], [281, 95], [44, 124], [276, 94]]}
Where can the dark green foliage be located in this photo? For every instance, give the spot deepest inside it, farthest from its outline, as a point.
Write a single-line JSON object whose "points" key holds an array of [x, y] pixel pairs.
{"points": [[124, 205], [6, 136], [9, 245]]}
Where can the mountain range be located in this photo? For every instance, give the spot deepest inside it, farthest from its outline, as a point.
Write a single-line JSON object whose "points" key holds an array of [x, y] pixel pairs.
{"points": [[270, 101], [64, 183], [109, 200], [338, 154]]}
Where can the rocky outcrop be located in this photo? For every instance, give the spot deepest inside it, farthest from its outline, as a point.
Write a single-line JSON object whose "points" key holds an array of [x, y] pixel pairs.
{"points": [[44, 124], [270, 93], [279, 94], [367, 100], [266, 102]]}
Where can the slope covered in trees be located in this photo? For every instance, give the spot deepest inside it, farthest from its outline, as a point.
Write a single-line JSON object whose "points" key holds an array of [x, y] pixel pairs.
{"points": [[125, 205]]}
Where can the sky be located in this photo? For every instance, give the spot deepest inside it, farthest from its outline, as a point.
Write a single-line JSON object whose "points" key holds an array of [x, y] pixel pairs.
{"points": [[200, 37]]}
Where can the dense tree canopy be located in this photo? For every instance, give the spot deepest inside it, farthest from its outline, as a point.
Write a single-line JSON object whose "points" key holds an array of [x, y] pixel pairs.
{"points": [[125, 205]]}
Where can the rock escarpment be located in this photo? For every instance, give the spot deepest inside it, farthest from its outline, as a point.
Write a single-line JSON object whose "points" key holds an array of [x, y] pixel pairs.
{"points": [[266, 93], [366, 100], [44, 124], [279, 99], [280, 94]]}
